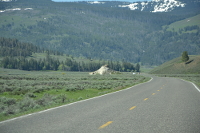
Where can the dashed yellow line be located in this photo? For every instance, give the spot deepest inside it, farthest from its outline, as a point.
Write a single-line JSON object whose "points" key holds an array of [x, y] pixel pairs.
{"points": [[158, 90], [132, 108], [145, 99], [153, 93], [106, 124]]}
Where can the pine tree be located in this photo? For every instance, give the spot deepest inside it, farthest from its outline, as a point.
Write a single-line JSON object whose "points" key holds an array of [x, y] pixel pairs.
{"points": [[137, 67], [185, 56]]}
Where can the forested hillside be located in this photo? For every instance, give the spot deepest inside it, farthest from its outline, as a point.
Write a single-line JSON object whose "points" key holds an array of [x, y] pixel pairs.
{"points": [[18, 55], [99, 32]]}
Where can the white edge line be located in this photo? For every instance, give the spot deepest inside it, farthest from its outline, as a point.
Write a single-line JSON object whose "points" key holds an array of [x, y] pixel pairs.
{"points": [[20, 117], [192, 84]]}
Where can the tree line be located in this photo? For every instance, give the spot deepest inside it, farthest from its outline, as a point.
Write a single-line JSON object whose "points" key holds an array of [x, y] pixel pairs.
{"points": [[13, 47], [50, 63], [14, 59]]}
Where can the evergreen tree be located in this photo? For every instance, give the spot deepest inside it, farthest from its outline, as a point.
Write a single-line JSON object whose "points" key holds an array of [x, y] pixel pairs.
{"points": [[137, 67], [185, 56]]}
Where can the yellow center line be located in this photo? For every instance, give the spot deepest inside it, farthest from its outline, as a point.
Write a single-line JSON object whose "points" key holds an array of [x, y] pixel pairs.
{"points": [[132, 107], [153, 93], [158, 90], [104, 125], [145, 99]]}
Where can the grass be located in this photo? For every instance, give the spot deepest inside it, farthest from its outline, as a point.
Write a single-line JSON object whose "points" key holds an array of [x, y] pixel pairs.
{"points": [[176, 66], [24, 92], [178, 69], [146, 69], [31, 18], [184, 23]]}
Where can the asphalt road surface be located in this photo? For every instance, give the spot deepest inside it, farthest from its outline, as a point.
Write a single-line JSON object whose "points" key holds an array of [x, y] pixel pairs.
{"points": [[163, 105]]}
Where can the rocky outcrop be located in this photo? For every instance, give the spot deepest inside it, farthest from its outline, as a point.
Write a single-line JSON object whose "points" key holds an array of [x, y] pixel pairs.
{"points": [[103, 70]]}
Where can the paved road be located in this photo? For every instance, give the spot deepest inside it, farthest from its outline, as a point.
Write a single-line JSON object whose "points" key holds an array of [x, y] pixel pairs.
{"points": [[163, 105]]}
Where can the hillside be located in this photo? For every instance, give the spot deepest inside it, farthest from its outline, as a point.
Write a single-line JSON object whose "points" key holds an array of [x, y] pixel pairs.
{"points": [[25, 56], [99, 32], [176, 66], [185, 24]]}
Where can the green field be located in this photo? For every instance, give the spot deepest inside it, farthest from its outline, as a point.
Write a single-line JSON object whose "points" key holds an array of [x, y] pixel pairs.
{"points": [[25, 92], [184, 23], [176, 66]]}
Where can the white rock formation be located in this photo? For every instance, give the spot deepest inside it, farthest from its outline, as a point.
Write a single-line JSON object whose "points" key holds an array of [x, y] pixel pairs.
{"points": [[103, 70]]}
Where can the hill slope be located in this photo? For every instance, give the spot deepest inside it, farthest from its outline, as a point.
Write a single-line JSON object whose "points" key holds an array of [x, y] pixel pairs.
{"points": [[188, 22], [176, 66], [25, 56], [98, 32]]}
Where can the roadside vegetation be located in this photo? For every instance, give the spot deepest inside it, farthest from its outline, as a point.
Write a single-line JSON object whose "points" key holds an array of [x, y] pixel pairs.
{"points": [[179, 65], [185, 67], [25, 92]]}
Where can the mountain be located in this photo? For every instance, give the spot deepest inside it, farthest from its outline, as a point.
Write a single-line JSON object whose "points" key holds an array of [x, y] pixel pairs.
{"points": [[148, 6], [6, 0], [155, 5], [151, 6], [99, 31]]}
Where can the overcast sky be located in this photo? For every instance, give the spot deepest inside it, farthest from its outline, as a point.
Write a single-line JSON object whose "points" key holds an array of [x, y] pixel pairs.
{"points": [[99, 0]]}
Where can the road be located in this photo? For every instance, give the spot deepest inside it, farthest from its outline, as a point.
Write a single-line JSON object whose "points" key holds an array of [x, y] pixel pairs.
{"points": [[163, 105]]}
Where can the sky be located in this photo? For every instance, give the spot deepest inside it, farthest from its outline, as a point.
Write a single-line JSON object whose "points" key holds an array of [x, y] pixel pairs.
{"points": [[98, 0]]}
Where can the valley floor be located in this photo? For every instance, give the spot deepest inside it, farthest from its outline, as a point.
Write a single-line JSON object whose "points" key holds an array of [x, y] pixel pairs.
{"points": [[25, 92]]}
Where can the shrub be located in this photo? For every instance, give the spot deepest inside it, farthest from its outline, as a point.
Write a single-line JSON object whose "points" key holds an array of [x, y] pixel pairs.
{"points": [[7, 101], [19, 91], [8, 88], [80, 98], [10, 110], [30, 95], [2, 90], [71, 88], [11, 101], [38, 90], [45, 100], [2, 108], [27, 104], [61, 98]]}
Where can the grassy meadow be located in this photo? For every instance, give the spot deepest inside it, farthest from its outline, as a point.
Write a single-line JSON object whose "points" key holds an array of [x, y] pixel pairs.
{"points": [[183, 23], [177, 66], [23, 92], [189, 70]]}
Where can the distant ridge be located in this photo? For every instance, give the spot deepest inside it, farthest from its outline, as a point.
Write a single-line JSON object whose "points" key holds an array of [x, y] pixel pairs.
{"points": [[103, 31], [155, 5]]}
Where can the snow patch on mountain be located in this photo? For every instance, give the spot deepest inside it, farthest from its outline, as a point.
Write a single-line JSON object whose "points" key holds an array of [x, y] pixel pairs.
{"points": [[15, 9], [149, 6], [7, 0], [95, 2], [155, 5], [143, 5], [166, 5], [132, 6]]}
